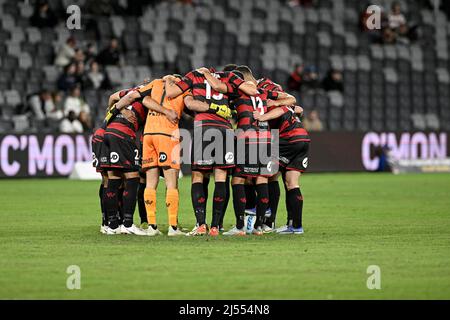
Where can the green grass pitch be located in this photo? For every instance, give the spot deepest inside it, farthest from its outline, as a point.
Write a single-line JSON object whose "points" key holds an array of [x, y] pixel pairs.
{"points": [[400, 223]]}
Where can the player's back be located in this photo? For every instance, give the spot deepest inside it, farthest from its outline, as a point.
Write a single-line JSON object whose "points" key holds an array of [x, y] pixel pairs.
{"points": [[245, 106], [121, 126], [157, 122], [202, 91]]}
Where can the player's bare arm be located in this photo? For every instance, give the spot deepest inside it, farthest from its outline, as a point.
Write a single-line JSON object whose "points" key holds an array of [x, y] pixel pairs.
{"points": [[113, 98], [129, 115], [128, 99], [249, 88], [151, 104], [172, 90], [195, 105], [273, 114], [284, 99], [214, 82]]}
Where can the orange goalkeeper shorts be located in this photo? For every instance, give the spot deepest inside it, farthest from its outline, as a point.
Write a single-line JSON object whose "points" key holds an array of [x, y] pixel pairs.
{"points": [[160, 151]]}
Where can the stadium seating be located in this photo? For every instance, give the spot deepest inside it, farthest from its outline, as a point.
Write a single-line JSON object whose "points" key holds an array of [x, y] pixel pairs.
{"points": [[386, 86]]}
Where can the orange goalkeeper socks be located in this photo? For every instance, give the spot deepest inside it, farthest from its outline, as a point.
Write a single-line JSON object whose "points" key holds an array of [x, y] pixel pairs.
{"points": [[150, 205], [172, 206]]}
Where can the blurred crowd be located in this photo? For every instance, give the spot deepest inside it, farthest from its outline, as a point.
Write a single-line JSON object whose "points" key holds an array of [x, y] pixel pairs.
{"points": [[395, 28]]}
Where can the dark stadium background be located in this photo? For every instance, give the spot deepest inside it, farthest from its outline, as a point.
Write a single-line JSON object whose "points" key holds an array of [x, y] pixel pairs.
{"points": [[397, 87]]}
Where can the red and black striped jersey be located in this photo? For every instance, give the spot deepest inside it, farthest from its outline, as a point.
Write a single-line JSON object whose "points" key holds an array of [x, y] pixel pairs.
{"points": [[289, 125], [245, 105], [124, 128], [202, 91], [98, 135], [267, 84]]}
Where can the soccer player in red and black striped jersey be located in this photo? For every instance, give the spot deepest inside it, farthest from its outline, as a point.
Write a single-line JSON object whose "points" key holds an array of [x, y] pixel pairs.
{"points": [[293, 159], [253, 151], [120, 158], [97, 143], [213, 124]]}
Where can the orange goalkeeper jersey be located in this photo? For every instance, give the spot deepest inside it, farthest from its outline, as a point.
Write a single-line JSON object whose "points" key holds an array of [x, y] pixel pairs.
{"points": [[157, 122]]}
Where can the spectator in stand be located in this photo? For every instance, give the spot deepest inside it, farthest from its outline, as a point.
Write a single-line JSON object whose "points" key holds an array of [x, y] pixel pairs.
{"points": [[68, 78], [56, 113], [110, 55], [75, 103], [90, 54], [397, 22], [66, 53], [40, 103], [295, 79], [312, 122], [311, 78], [79, 56], [80, 74], [333, 81], [85, 119], [44, 106], [43, 16], [389, 36], [70, 124], [396, 19], [95, 79]]}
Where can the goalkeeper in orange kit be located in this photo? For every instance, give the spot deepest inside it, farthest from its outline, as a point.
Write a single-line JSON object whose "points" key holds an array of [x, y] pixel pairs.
{"points": [[161, 151]]}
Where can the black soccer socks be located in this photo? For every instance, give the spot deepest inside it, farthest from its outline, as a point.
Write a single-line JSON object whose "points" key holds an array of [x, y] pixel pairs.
{"points": [[218, 203], [111, 202], [129, 201], [227, 200], [239, 202], [199, 202], [141, 202], [295, 200], [262, 203], [250, 195], [102, 207], [274, 199]]}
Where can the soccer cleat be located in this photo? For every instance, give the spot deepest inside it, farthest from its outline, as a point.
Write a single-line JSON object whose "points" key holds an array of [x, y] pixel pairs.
{"points": [[151, 232], [257, 232], [175, 232], [235, 232], [103, 229], [214, 232], [281, 229], [292, 230], [110, 231], [266, 229], [197, 231], [132, 230], [221, 229]]}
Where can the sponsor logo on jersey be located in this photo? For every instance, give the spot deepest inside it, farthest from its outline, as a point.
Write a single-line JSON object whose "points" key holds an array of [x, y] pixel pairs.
{"points": [[114, 156]]}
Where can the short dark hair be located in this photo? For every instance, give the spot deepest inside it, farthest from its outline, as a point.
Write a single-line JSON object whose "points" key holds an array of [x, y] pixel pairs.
{"points": [[229, 67]]}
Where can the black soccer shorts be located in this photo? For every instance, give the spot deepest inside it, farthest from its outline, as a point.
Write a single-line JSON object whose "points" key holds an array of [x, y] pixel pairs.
{"points": [[254, 160], [293, 156], [212, 148], [119, 153]]}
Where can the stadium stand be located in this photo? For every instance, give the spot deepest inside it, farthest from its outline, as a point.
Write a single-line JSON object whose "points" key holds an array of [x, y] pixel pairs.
{"points": [[386, 86]]}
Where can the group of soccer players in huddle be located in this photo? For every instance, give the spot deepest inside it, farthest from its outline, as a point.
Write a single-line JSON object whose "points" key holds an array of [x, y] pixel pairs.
{"points": [[140, 140]]}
